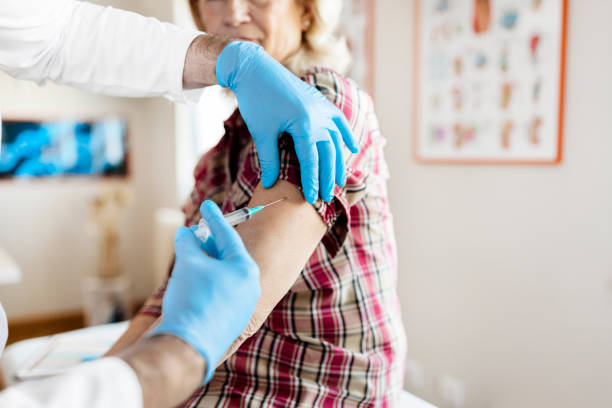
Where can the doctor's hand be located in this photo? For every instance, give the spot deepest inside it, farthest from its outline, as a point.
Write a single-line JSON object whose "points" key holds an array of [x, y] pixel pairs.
{"points": [[210, 300], [272, 100]]}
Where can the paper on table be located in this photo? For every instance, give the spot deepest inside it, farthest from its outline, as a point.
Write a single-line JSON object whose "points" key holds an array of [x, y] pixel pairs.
{"points": [[61, 354], [56, 354]]}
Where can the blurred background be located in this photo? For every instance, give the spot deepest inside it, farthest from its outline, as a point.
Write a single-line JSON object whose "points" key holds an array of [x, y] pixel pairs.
{"points": [[505, 270]]}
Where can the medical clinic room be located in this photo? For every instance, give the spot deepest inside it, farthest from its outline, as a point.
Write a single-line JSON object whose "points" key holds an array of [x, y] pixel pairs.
{"points": [[306, 203]]}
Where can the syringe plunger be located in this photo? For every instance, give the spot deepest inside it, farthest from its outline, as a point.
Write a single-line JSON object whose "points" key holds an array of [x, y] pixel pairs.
{"points": [[234, 218]]}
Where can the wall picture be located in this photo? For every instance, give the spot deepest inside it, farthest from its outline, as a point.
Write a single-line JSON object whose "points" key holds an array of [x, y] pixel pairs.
{"points": [[489, 81], [54, 148]]}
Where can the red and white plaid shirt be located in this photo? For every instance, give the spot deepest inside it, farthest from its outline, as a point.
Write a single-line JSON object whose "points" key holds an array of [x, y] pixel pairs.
{"points": [[336, 338]]}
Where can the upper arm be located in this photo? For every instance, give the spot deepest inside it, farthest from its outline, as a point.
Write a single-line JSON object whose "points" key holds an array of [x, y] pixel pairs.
{"points": [[280, 239]]}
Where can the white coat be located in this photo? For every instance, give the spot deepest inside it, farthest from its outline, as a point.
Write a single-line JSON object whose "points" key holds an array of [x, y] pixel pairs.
{"points": [[102, 50], [98, 49]]}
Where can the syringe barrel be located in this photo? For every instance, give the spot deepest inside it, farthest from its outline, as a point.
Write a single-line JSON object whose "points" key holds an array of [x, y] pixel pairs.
{"points": [[234, 218], [203, 231]]}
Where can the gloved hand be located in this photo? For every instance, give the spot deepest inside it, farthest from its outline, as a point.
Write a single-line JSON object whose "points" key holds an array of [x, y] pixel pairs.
{"points": [[272, 100], [210, 300]]}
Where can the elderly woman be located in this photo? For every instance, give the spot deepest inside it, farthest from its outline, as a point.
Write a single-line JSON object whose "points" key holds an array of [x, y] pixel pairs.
{"points": [[327, 330]]}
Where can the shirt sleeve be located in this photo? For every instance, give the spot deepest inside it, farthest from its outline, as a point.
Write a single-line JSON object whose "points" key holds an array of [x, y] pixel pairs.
{"points": [[95, 48], [108, 382]]}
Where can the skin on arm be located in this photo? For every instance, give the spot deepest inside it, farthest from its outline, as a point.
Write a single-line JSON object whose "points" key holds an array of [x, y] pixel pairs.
{"points": [[200, 68], [280, 239], [138, 326], [167, 368]]}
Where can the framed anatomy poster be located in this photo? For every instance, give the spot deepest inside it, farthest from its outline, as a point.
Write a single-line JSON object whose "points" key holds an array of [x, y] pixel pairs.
{"points": [[489, 81]]}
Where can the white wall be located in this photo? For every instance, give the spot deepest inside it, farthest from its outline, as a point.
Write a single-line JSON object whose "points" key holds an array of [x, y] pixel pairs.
{"points": [[42, 222], [506, 272]]}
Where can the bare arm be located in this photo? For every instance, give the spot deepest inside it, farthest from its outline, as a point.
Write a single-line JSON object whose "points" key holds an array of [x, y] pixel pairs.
{"points": [[138, 326], [280, 239], [167, 368], [201, 61]]}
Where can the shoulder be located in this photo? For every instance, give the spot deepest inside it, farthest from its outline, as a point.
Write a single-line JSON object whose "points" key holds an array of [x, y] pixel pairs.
{"points": [[343, 92]]}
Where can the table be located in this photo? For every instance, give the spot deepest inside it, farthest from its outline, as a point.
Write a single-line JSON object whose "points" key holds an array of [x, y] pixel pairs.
{"points": [[96, 340]]}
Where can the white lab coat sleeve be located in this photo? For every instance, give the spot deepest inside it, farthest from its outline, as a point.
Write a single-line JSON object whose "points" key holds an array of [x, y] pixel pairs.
{"points": [[99, 49], [3, 329], [108, 382]]}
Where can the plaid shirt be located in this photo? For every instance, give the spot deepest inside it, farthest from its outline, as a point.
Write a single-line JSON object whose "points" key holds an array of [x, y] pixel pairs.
{"points": [[336, 338]]}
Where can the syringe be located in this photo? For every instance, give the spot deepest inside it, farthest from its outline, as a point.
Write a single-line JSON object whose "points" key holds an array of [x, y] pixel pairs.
{"points": [[234, 218]]}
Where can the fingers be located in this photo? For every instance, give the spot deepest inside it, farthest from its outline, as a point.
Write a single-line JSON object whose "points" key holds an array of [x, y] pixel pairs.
{"points": [[226, 239], [209, 246], [308, 157], [267, 150], [340, 176], [327, 169], [347, 133], [186, 242]]}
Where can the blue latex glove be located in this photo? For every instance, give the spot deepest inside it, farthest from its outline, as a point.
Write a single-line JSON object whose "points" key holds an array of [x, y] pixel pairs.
{"points": [[210, 299], [272, 100]]}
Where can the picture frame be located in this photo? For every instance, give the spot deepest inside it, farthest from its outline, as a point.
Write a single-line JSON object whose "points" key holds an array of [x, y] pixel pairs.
{"points": [[50, 148], [489, 81]]}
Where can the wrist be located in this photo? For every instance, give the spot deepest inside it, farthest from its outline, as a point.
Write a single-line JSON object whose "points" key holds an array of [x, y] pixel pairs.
{"points": [[201, 345], [201, 61], [167, 367]]}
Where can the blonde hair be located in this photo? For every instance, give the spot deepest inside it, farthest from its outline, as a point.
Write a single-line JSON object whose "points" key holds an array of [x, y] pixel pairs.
{"points": [[320, 44]]}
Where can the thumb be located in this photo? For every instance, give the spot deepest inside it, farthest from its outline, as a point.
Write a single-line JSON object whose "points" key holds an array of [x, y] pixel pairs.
{"points": [[208, 246], [267, 151], [226, 239], [186, 242]]}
